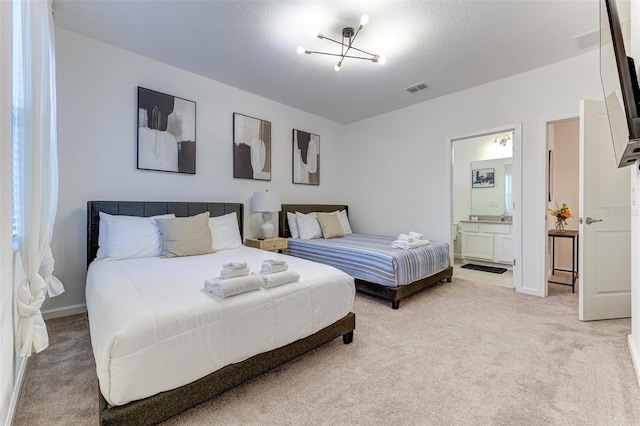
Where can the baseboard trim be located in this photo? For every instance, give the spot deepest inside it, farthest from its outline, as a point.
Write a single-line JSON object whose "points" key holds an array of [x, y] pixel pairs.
{"points": [[17, 388], [635, 357], [64, 312]]}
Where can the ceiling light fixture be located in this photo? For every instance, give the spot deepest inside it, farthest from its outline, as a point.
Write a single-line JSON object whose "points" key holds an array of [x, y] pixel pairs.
{"points": [[348, 34], [503, 139]]}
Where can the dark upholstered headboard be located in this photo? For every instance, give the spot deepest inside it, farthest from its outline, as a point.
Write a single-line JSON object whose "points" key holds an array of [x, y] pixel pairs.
{"points": [[151, 208], [283, 226]]}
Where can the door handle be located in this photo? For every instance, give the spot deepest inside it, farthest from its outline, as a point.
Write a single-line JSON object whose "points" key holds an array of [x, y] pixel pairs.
{"points": [[589, 221]]}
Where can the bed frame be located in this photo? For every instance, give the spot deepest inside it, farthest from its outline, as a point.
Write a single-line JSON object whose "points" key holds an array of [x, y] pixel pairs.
{"points": [[160, 407], [392, 294]]}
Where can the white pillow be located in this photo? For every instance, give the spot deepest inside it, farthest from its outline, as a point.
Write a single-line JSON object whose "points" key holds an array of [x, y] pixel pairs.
{"points": [[344, 221], [128, 237], [308, 226], [224, 232], [293, 225]]}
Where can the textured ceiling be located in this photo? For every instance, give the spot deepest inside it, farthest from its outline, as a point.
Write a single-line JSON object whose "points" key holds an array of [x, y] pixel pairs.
{"points": [[251, 45]]}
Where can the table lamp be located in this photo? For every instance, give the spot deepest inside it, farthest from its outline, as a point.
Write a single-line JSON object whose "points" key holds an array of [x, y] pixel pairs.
{"points": [[266, 202]]}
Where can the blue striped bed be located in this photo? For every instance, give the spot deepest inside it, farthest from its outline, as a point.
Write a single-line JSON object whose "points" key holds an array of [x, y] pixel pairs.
{"points": [[371, 258]]}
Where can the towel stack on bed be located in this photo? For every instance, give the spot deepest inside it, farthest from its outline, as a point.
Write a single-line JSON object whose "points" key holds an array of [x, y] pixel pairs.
{"points": [[235, 278], [275, 273], [409, 241]]}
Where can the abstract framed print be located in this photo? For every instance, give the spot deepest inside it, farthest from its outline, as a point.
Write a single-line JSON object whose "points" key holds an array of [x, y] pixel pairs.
{"points": [[166, 132], [251, 148], [306, 158]]}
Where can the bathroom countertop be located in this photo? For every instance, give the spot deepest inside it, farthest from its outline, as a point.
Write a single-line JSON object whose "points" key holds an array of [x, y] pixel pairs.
{"points": [[488, 221]]}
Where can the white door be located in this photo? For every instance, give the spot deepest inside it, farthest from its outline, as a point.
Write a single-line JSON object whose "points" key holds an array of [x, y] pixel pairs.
{"points": [[605, 225]]}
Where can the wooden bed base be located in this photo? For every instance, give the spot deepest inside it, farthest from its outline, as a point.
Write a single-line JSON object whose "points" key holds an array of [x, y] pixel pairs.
{"points": [[392, 294], [160, 407], [157, 408]]}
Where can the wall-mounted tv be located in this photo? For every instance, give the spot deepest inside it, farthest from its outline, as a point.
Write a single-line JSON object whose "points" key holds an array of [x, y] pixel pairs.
{"points": [[620, 85]]}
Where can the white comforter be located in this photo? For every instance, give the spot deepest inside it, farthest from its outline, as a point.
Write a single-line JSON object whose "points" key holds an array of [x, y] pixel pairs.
{"points": [[154, 328]]}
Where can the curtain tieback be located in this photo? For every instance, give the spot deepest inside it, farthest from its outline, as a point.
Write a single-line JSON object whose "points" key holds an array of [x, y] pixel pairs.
{"points": [[30, 296], [31, 335], [54, 286]]}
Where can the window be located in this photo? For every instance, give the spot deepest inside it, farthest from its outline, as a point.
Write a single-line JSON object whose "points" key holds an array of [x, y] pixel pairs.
{"points": [[17, 114]]}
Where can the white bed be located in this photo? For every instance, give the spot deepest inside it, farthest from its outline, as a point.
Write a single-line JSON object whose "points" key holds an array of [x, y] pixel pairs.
{"points": [[162, 344], [154, 328]]}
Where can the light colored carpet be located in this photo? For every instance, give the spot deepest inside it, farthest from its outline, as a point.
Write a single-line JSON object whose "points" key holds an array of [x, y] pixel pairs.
{"points": [[462, 353]]}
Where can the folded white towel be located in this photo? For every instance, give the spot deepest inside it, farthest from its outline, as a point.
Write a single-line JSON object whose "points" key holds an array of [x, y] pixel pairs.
{"points": [[221, 287], [279, 278], [232, 273], [405, 237], [416, 235], [268, 268], [407, 245], [275, 261], [234, 265]]}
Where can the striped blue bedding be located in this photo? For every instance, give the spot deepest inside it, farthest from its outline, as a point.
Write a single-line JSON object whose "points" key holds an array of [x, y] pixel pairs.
{"points": [[371, 258]]}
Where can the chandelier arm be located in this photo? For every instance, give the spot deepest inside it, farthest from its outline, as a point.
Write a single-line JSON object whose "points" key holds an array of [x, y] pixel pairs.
{"points": [[335, 41], [363, 51], [339, 55], [346, 45]]}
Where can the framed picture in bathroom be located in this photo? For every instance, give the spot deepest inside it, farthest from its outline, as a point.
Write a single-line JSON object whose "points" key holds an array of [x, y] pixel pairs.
{"points": [[251, 148], [306, 158], [166, 132], [482, 178]]}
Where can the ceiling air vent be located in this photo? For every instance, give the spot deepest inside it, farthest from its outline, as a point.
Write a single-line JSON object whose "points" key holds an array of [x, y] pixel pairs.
{"points": [[416, 88]]}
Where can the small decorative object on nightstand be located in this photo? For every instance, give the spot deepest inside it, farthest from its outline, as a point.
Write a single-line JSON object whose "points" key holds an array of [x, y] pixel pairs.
{"points": [[266, 202], [272, 244]]}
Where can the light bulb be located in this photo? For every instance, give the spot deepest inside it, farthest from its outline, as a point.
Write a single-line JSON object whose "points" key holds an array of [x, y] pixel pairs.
{"points": [[364, 20], [338, 65], [382, 59], [300, 50]]}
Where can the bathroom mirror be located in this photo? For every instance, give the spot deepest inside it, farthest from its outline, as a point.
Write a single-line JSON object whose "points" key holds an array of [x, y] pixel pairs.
{"points": [[491, 198]]}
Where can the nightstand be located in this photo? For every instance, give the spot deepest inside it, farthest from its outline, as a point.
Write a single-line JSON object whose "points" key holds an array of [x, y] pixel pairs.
{"points": [[272, 244]]}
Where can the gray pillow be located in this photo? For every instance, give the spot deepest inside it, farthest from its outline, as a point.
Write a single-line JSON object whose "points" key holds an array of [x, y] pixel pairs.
{"points": [[185, 236]]}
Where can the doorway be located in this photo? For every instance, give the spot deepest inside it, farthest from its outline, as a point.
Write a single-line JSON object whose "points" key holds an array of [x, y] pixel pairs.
{"points": [[563, 184], [485, 198]]}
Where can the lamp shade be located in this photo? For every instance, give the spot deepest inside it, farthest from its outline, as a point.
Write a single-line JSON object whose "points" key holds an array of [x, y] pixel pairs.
{"points": [[266, 201]]}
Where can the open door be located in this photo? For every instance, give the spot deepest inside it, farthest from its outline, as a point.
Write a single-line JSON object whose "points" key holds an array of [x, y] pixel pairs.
{"points": [[605, 222]]}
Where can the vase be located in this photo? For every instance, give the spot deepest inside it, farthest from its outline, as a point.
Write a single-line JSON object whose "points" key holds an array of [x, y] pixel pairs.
{"points": [[559, 226]]}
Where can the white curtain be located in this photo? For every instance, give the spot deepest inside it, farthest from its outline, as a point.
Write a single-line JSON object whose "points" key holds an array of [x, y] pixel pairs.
{"points": [[34, 131]]}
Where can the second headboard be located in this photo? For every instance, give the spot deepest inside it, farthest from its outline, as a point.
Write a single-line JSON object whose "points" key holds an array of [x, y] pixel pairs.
{"points": [[283, 226]]}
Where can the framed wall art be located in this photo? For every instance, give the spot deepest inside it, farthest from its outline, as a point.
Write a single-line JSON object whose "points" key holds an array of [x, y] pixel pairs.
{"points": [[166, 132], [306, 158], [482, 178], [251, 148]]}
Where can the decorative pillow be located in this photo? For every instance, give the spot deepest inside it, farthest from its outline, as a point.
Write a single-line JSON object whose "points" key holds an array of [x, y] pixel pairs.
{"points": [[308, 226], [293, 225], [224, 232], [330, 224], [128, 237], [344, 221], [185, 236]]}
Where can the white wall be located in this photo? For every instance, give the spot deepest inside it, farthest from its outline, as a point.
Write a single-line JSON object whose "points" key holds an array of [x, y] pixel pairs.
{"points": [[399, 176], [6, 249], [97, 119], [634, 337]]}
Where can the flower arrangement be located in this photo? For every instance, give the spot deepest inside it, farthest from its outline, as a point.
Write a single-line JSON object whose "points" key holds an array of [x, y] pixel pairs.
{"points": [[561, 214]]}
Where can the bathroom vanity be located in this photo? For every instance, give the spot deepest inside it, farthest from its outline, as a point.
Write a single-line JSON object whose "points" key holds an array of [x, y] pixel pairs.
{"points": [[487, 241]]}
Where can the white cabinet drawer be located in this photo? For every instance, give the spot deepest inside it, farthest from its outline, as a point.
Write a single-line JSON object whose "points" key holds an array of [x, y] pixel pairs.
{"points": [[469, 227], [494, 228]]}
